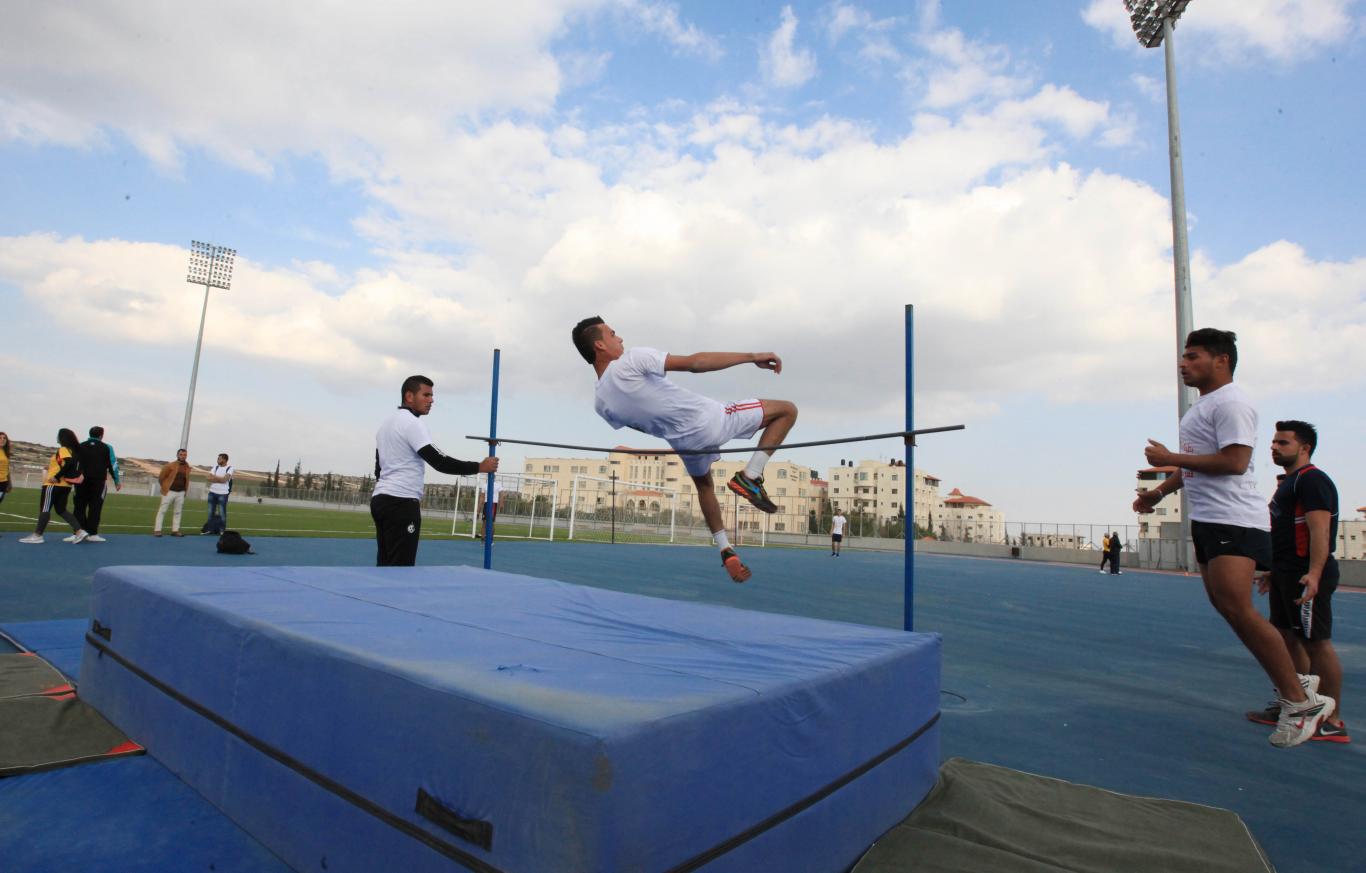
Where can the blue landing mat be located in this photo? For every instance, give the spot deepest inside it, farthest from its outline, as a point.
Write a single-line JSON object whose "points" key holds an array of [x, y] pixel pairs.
{"points": [[407, 717]]}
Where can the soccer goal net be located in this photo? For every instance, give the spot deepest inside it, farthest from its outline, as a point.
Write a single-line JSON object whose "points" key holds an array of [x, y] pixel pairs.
{"points": [[524, 506], [615, 510]]}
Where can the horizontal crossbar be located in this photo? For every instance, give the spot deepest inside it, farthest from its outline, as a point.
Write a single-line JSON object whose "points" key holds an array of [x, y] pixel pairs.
{"points": [[907, 435]]}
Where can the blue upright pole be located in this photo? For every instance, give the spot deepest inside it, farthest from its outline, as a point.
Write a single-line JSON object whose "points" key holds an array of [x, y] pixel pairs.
{"points": [[908, 619], [488, 487]]}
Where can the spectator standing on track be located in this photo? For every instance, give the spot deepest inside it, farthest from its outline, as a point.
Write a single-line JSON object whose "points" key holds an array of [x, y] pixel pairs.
{"points": [[63, 471], [4, 465], [175, 481], [490, 523], [837, 523], [98, 463], [1304, 573], [403, 449], [1115, 548], [1104, 551], [1229, 522], [220, 486], [634, 391]]}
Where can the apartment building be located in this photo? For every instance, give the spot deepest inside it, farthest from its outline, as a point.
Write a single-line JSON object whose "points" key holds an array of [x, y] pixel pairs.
{"points": [[971, 519], [653, 479], [879, 488], [1168, 509], [1352, 537]]}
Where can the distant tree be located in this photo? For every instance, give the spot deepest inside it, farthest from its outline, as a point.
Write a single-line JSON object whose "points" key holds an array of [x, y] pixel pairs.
{"points": [[295, 476], [327, 482], [308, 481], [276, 482]]}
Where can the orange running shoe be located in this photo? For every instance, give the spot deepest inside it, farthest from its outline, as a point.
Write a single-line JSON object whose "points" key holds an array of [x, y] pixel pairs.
{"points": [[738, 571]]}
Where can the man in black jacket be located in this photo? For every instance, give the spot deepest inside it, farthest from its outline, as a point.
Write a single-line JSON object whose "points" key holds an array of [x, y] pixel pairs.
{"points": [[98, 462]]}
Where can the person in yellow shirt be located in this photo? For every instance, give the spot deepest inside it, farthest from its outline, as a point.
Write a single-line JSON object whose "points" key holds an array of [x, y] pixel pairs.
{"points": [[63, 471], [4, 465]]}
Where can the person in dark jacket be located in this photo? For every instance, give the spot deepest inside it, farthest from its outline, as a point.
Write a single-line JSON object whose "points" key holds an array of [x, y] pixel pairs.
{"points": [[1116, 546], [98, 463]]}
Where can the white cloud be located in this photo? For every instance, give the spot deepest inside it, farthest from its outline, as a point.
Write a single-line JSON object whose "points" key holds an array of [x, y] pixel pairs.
{"points": [[1243, 31], [781, 62], [662, 20], [247, 83], [958, 70]]}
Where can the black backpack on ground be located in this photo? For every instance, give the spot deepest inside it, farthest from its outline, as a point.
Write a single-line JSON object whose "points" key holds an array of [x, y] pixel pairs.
{"points": [[231, 543]]}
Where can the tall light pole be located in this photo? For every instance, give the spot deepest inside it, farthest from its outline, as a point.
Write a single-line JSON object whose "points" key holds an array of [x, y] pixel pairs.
{"points": [[210, 266], [1153, 22]]}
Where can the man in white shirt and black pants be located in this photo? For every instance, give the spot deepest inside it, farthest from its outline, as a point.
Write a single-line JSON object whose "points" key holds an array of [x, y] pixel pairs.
{"points": [[837, 523], [403, 449], [1230, 523]]}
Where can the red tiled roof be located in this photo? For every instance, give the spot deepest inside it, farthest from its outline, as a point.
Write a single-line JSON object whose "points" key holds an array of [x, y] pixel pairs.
{"points": [[958, 498]]}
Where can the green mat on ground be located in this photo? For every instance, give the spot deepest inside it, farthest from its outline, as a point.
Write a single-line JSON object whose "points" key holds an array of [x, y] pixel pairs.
{"points": [[43, 725], [982, 817]]}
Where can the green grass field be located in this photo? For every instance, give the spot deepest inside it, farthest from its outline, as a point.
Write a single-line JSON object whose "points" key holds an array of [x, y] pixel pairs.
{"points": [[134, 514]]}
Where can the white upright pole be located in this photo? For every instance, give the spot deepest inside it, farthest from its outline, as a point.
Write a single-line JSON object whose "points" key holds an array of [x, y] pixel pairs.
{"points": [[573, 504], [1180, 256], [194, 374]]}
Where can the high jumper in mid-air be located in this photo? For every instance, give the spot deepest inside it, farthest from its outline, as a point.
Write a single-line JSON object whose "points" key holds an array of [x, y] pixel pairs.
{"points": [[634, 391]]}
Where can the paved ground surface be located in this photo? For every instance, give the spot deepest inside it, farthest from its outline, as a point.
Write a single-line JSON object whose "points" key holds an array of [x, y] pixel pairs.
{"points": [[1130, 683]]}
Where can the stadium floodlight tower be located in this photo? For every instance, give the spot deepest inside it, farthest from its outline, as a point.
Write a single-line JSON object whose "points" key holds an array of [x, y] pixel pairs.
{"points": [[1153, 22], [210, 266]]}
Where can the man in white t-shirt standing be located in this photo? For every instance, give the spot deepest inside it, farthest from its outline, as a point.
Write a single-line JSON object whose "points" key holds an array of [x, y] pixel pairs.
{"points": [[220, 486], [1230, 523], [837, 524], [491, 519], [634, 391], [403, 449]]}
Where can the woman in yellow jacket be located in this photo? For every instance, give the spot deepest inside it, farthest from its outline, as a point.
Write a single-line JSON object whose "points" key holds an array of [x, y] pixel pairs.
{"points": [[4, 465], [63, 471]]}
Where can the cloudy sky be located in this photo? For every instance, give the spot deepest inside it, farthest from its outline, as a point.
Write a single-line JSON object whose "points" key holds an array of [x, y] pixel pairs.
{"points": [[410, 185]]}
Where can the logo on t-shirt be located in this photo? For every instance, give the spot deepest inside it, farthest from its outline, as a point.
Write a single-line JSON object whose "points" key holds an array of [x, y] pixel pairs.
{"points": [[412, 528]]}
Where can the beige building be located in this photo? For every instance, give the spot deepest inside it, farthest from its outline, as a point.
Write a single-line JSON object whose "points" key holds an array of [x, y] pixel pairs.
{"points": [[651, 479], [1168, 509], [879, 488], [971, 519], [1352, 537]]}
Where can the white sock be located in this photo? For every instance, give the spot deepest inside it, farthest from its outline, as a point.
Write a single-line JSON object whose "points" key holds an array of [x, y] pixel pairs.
{"points": [[755, 468], [722, 541]]}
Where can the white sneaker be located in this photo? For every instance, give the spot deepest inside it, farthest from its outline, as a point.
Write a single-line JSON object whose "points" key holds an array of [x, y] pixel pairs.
{"points": [[32, 539], [94, 538], [80, 536], [70, 539], [1299, 721]]}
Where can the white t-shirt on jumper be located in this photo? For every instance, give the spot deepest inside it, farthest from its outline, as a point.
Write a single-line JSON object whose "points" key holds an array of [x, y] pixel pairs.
{"points": [[1216, 420], [837, 524], [401, 469], [634, 392]]}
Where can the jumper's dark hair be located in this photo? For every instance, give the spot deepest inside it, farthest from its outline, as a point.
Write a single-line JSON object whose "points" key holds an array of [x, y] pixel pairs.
{"points": [[66, 437], [5, 447], [412, 384], [1216, 342], [585, 334], [1305, 432], [223, 455], [97, 432]]}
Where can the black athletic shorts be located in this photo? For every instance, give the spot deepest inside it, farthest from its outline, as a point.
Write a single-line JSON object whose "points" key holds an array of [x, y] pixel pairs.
{"points": [[837, 538], [1309, 621], [1217, 540], [398, 527]]}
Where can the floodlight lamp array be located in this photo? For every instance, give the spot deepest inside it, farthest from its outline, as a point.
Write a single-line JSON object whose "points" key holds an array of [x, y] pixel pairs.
{"points": [[1147, 16], [210, 265]]}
